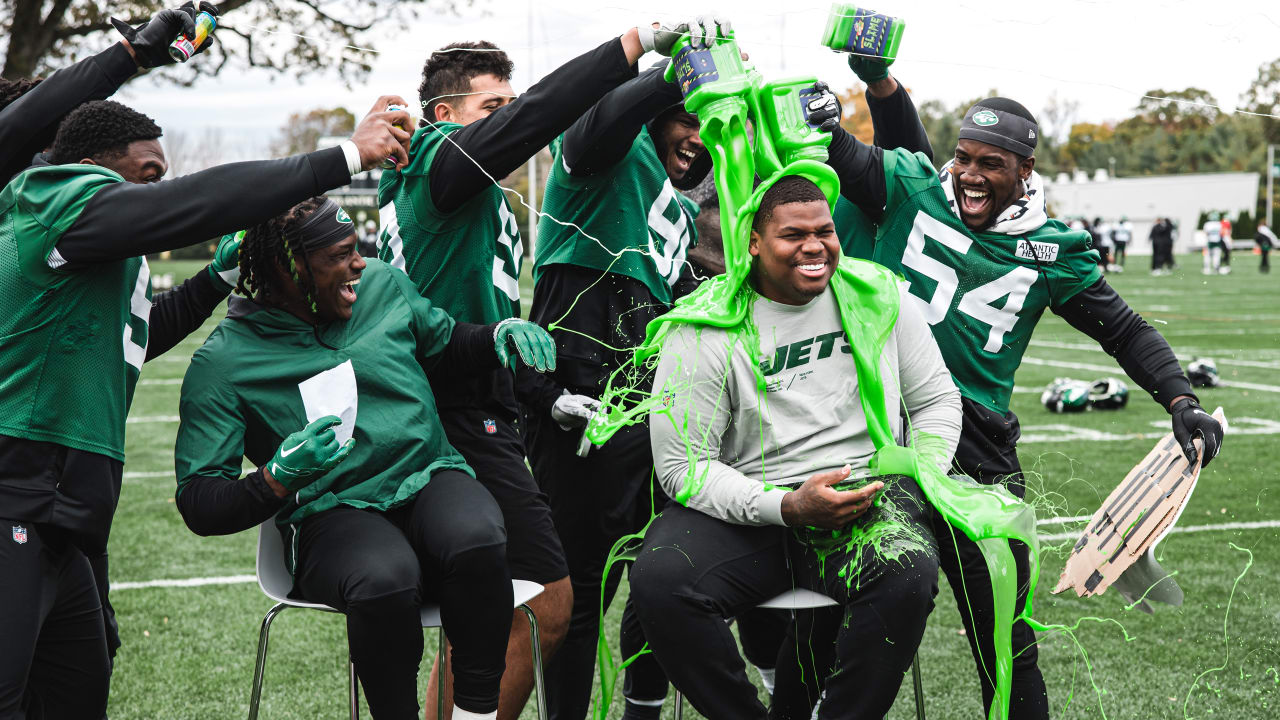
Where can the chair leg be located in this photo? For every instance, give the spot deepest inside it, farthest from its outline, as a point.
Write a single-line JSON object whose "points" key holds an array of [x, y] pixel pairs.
{"points": [[260, 667], [919, 686], [679, 705], [353, 690], [442, 668], [539, 687]]}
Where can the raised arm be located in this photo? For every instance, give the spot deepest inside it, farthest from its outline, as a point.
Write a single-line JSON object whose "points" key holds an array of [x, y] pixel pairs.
{"points": [[604, 134]]}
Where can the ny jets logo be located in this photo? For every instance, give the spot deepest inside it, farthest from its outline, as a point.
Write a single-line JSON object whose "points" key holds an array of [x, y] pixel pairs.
{"points": [[985, 118]]}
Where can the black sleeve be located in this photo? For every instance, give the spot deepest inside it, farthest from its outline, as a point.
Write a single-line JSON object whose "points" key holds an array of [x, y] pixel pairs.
{"points": [[469, 353], [28, 125], [897, 124], [125, 220], [861, 171], [603, 135], [177, 313], [536, 391], [218, 506], [495, 146], [1099, 312]]}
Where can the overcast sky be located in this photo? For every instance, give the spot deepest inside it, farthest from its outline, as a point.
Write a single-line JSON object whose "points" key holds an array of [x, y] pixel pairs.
{"points": [[1102, 54]]}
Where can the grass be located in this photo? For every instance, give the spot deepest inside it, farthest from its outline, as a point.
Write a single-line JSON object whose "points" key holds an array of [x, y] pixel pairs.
{"points": [[188, 652]]}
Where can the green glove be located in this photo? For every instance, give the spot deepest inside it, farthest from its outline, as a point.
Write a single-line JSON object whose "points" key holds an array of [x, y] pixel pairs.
{"points": [[225, 268], [309, 453], [868, 69], [533, 345]]}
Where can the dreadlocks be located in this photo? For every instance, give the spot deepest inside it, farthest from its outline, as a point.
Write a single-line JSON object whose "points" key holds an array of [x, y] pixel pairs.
{"points": [[274, 244]]}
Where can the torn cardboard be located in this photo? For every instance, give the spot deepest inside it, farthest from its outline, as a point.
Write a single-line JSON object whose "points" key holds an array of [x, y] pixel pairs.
{"points": [[1118, 543]]}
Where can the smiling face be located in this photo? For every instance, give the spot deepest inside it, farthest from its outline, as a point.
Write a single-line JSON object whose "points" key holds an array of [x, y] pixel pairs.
{"points": [[677, 142], [335, 273], [488, 93], [987, 179], [795, 253]]}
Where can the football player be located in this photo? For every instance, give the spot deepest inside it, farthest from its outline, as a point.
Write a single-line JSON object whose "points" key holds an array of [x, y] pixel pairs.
{"points": [[448, 224], [335, 411], [984, 262]]}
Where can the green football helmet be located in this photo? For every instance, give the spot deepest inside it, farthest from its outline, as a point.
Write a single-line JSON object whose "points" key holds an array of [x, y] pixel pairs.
{"points": [[1065, 395], [1108, 394]]}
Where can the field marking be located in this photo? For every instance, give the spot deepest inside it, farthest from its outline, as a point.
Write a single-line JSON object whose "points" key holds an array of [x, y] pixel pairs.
{"points": [[1061, 432], [1114, 368], [185, 582], [148, 474], [160, 381], [1258, 525], [1182, 357], [1063, 520], [154, 419], [1055, 537]]}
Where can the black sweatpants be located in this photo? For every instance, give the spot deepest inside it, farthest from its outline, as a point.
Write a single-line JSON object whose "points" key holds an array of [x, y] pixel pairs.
{"points": [[594, 501], [54, 662], [987, 453], [449, 546], [695, 570]]}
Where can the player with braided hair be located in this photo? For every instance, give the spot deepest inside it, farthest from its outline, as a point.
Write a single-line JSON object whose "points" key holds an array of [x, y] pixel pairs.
{"points": [[378, 509]]}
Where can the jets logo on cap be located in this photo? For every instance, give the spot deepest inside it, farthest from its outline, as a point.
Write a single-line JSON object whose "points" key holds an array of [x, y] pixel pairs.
{"points": [[342, 216], [985, 118]]}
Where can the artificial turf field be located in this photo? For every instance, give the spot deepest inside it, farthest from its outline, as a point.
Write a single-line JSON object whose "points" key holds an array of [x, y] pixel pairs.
{"points": [[189, 651]]}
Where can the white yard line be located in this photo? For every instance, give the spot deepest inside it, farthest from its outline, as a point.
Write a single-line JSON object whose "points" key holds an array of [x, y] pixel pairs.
{"points": [[160, 381], [154, 419], [1062, 432], [1116, 369], [149, 474], [1056, 537], [1182, 357]]}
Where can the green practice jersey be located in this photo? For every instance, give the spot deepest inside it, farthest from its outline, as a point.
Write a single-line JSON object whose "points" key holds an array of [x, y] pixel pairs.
{"points": [[856, 231], [982, 292], [264, 374], [632, 220], [466, 261], [72, 341]]}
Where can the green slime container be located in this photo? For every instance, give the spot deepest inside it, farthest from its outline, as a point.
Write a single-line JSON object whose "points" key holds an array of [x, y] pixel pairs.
{"points": [[865, 32]]}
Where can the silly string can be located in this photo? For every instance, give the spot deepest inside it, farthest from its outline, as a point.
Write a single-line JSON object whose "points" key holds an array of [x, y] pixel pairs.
{"points": [[182, 48], [390, 162], [857, 30]]}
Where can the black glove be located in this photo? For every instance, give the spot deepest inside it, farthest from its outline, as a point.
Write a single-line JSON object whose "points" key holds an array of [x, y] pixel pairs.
{"points": [[150, 40], [824, 109], [1189, 420]]}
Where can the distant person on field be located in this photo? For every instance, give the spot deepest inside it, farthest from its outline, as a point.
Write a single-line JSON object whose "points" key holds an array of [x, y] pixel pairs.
{"points": [[1121, 234], [1161, 238], [1265, 240]]}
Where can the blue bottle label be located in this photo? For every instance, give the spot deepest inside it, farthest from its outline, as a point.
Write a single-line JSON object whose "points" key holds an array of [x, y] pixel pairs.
{"points": [[694, 68]]}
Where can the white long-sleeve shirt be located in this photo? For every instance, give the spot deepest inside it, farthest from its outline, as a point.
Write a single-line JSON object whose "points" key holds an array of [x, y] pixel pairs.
{"points": [[741, 442]]}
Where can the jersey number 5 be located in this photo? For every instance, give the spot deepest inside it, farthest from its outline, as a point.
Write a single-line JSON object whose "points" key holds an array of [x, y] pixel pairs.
{"points": [[978, 303]]}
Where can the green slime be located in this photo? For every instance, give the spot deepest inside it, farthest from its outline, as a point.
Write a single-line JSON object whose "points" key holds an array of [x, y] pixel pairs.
{"points": [[867, 297]]}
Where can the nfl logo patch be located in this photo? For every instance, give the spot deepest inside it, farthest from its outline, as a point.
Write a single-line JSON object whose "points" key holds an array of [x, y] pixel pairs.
{"points": [[19, 534], [490, 427]]}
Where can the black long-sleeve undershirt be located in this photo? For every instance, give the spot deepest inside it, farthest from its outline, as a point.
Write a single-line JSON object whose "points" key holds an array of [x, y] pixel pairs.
{"points": [[177, 313], [602, 137], [1099, 312], [28, 125], [503, 141], [897, 124], [220, 506], [126, 220]]}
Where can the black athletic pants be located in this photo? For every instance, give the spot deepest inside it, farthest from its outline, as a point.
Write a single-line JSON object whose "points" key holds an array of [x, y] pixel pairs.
{"points": [[594, 501], [54, 661], [694, 571], [449, 546], [987, 454]]}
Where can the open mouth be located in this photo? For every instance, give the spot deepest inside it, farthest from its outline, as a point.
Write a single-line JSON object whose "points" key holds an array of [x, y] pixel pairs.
{"points": [[974, 201], [814, 270], [684, 159], [347, 291]]}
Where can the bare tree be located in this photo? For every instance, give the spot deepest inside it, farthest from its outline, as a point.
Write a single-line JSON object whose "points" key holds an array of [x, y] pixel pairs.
{"points": [[37, 36]]}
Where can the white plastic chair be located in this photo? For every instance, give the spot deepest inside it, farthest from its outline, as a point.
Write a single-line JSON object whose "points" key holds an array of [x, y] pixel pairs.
{"points": [[275, 581], [802, 599]]}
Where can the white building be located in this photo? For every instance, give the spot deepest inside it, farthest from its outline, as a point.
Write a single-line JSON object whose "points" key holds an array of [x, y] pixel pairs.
{"points": [[1180, 198]]}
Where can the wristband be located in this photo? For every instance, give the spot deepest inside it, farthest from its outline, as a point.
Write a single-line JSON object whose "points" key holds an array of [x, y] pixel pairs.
{"points": [[352, 153]]}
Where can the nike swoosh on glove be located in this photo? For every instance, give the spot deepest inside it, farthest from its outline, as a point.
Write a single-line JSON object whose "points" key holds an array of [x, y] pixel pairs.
{"points": [[308, 454]]}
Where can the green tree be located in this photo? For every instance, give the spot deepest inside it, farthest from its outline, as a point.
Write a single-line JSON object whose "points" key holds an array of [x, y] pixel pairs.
{"points": [[302, 130], [1263, 96], [37, 36]]}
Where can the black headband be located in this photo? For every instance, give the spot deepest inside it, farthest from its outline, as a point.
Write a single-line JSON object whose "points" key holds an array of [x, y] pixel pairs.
{"points": [[328, 225], [1002, 129]]}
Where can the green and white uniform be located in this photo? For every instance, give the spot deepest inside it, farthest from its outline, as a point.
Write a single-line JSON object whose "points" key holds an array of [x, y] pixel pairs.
{"points": [[983, 292], [73, 342], [468, 260], [264, 374], [650, 249]]}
